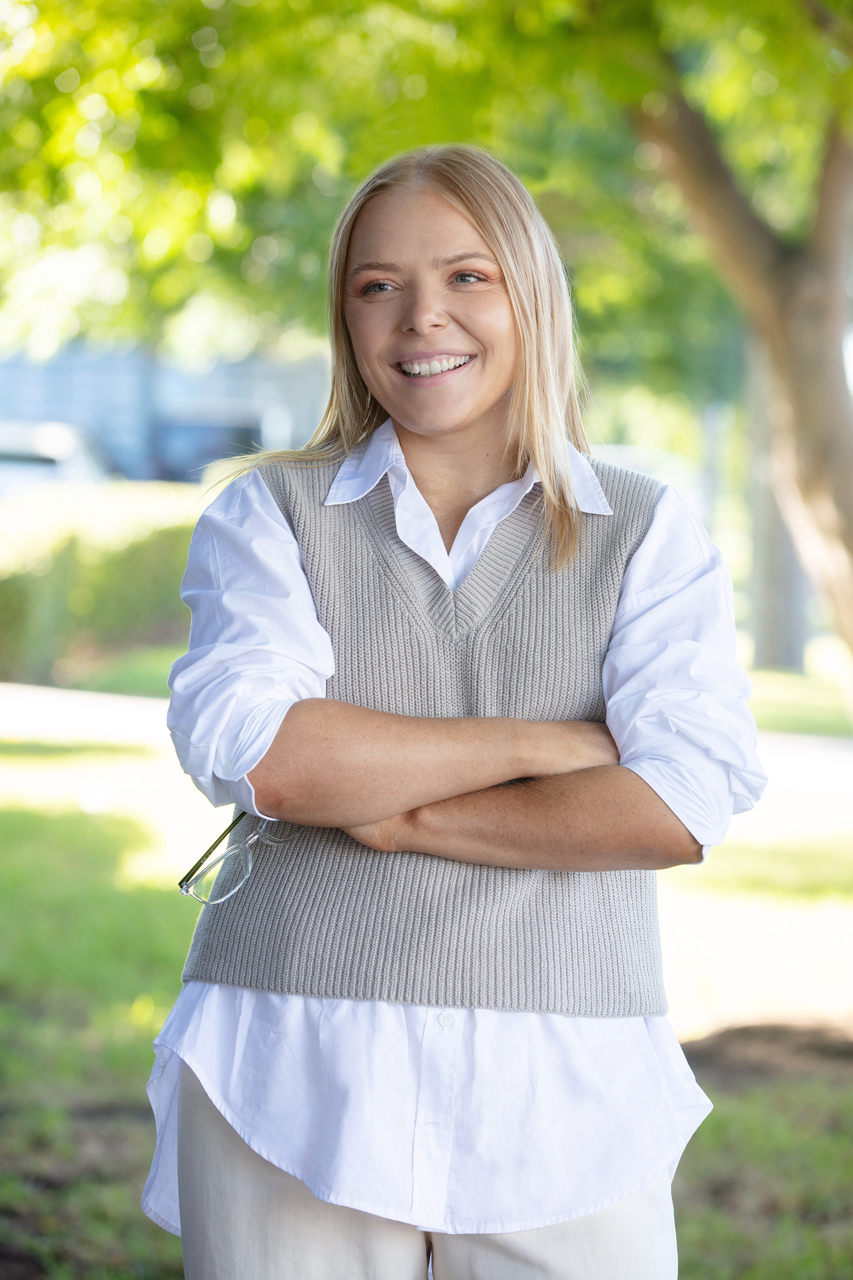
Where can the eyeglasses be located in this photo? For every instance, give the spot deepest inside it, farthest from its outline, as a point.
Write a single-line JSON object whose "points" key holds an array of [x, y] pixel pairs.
{"points": [[232, 868]]}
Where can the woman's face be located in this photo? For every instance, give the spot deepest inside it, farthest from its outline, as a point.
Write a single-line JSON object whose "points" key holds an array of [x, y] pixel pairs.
{"points": [[429, 317]]}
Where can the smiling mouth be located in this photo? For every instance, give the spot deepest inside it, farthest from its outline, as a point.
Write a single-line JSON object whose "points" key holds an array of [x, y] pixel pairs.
{"points": [[429, 368]]}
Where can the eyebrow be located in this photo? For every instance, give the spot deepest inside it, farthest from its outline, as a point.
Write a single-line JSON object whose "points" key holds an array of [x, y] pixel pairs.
{"points": [[372, 266], [464, 257], [441, 262]]}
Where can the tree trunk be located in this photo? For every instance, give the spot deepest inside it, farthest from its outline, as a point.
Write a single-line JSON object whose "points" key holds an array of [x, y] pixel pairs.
{"points": [[780, 589], [796, 299], [812, 441]]}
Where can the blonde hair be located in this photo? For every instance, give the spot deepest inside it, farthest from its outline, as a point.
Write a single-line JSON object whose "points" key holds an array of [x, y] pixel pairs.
{"points": [[544, 410]]}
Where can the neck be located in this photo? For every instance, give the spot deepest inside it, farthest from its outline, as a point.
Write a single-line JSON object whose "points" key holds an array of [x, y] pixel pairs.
{"points": [[456, 470]]}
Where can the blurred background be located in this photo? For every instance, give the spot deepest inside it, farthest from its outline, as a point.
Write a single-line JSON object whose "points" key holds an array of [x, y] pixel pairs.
{"points": [[169, 176]]}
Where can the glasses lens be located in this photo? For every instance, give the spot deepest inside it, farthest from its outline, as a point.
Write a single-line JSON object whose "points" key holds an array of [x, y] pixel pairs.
{"points": [[223, 876]]}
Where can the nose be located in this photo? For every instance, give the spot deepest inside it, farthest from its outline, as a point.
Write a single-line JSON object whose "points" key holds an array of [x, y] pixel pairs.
{"points": [[423, 312]]}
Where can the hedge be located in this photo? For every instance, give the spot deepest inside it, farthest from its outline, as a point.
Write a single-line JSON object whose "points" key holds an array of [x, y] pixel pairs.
{"points": [[105, 600]]}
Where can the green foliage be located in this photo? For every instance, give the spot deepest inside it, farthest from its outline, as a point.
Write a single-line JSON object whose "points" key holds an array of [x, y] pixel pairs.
{"points": [[79, 603], [134, 591], [38, 625], [14, 593], [140, 672], [634, 416], [164, 155]]}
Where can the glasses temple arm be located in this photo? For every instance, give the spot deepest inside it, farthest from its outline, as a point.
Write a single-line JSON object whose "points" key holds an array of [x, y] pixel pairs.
{"points": [[204, 857]]}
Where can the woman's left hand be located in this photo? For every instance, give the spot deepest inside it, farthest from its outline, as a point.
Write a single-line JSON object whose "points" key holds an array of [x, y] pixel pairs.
{"points": [[387, 836]]}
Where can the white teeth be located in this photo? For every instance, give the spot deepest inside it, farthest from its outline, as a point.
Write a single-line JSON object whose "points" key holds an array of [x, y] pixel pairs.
{"points": [[428, 368]]}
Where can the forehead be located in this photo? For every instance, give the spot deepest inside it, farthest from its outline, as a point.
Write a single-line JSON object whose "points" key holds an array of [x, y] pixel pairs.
{"points": [[402, 225]]}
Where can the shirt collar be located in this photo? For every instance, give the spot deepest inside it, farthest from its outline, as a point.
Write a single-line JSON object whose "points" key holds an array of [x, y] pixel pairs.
{"points": [[362, 470]]}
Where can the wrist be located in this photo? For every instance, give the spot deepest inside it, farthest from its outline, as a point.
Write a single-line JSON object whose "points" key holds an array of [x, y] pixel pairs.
{"points": [[412, 835]]}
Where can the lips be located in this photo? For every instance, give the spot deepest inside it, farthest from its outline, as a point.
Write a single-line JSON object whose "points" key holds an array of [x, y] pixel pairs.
{"points": [[433, 365]]}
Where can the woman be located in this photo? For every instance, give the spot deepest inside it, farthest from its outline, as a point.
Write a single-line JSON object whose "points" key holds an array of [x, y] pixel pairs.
{"points": [[430, 1026]]}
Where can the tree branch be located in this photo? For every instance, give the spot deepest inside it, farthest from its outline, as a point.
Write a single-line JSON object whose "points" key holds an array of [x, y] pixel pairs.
{"points": [[827, 21], [747, 250]]}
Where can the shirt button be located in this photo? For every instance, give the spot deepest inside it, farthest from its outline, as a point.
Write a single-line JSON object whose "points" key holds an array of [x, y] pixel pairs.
{"points": [[445, 1019]]}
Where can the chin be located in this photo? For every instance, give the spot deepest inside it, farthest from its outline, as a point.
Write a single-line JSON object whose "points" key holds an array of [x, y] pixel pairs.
{"points": [[437, 424], [434, 413]]}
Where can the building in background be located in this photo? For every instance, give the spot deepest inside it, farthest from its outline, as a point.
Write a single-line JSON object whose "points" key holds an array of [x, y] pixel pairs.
{"points": [[154, 421]]}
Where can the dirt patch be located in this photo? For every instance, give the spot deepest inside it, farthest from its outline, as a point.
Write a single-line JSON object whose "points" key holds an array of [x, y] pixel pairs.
{"points": [[742, 1057], [72, 1180], [16, 1265]]}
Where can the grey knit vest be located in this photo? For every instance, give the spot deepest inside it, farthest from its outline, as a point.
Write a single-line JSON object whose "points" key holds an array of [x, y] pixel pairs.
{"points": [[324, 916]]}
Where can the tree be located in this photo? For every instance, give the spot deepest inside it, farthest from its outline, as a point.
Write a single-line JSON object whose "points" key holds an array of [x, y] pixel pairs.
{"points": [[182, 170], [795, 295], [747, 109]]}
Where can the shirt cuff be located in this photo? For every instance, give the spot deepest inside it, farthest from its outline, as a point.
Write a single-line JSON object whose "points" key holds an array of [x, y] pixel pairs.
{"points": [[243, 794], [706, 809]]}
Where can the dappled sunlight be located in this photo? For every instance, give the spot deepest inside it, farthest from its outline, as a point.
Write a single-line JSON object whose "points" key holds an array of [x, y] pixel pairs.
{"points": [[137, 777], [103, 517], [141, 1017]]}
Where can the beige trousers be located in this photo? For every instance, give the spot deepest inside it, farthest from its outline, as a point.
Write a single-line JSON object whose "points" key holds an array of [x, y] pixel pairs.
{"points": [[244, 1219]]}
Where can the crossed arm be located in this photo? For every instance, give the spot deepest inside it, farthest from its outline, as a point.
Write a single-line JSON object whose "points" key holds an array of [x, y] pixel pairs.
{"points": [[427, 785]]}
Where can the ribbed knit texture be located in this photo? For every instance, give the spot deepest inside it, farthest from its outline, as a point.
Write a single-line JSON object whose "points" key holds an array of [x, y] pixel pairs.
{"points": [[324, 916]]}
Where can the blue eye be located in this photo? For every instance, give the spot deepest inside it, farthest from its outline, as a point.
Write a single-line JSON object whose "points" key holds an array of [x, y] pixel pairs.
{"points": [[376, 286], [462, 277]]}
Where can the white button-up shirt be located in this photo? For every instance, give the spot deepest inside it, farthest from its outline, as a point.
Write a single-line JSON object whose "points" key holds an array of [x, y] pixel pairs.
{"points": [[454, 1120]]}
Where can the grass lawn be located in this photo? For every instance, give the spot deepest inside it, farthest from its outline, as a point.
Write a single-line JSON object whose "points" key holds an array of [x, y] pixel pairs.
{"points": [[765, 1189], [34, 751], [142, 672], [790, 871], [793, 703], [87, 972]]}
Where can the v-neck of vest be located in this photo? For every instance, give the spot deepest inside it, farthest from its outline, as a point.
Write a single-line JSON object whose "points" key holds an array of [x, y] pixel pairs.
{"points": [[498, 574]]}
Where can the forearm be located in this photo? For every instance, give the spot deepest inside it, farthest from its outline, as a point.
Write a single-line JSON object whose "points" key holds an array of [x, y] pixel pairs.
{"points": [[599, 819], [334, 764]]}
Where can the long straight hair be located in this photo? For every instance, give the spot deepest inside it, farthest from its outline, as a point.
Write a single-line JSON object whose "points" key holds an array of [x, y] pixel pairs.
{"points": [[544, 409]]}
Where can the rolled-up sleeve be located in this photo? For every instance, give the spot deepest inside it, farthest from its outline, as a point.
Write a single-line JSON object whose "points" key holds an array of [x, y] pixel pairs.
{"points": [[256, 646], [677, 698]]}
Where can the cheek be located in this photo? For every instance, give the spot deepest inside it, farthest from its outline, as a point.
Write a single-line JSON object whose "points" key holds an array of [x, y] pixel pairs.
{"points": [[497, 325], [366, 345], [366, 332], [505, 337]]}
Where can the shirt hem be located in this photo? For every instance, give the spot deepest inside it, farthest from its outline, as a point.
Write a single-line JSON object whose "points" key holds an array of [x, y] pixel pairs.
{"points": [[158, 1218], [667, 1162]]}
